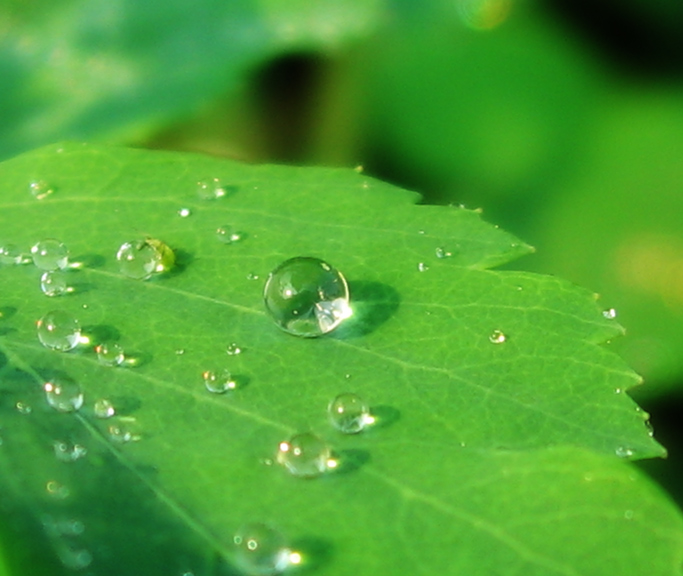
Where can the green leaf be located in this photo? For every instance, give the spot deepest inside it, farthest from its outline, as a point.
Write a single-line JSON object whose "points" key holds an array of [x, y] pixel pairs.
{"points": [[500, 417]]}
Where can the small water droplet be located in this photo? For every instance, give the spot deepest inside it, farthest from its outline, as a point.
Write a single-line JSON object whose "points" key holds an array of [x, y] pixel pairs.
{"points": [[50, 254], [59, 330], [628, 514], [40, 189], [184, 212], [124, 429], [441, 252], [261, 550], [624, 452], [307, 297], [23, 408], [10, 254], [228, 235], [180, 351], [618, 390], [141, 259], [69, 452], [422, 267], [110, 354], [305, 455], [588, 477], [57, 490], [63, 394], [349, 413], [73, 557], [233, 349], [252, 276], [103, 408], [54, 283], [210, 189], [497, 337], [421, 232], [218, 382], [610, 314]]}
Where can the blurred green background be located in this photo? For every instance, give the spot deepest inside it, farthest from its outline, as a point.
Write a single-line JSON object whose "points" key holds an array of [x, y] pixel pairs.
{"points": [[562, 119]]}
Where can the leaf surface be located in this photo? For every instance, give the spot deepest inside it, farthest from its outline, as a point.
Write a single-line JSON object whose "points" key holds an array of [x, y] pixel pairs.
{"points": [[499, 415]]}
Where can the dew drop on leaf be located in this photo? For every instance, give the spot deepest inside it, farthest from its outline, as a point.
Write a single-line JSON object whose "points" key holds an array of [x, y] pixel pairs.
{"points": [[305, 455], [103, 408], [441, 252], [233, 349], [40, 189], [307, 297], [349, 413], [219, 381], [141, 259], [23, 408], [261, 550], [59, 330], [422, 267], [54, 283], [610, 314], [10, 254], [57, 490], [63, 394], [497, 337], [124, 429], [210, 189], [110, 354], [68, 452], [184, 212], [50, 254], [623, 452], [228, 235]]}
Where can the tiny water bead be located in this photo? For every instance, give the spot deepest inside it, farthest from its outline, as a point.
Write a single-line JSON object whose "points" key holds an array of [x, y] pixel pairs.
{"points": [[349, 413], [184, 212], [307, 297], [110, 354], [441, 252], [261, 550], [124, 429], [23, 408], [228, 235], [59, 330], [64, 395], [497, 337], [623, 452], [422, 267], [103, 408], [610, 314], [54, 283], [210, 189], [305, 455], [50, 254], [68, 452], [40, 189], [233, 349], [141, 259], [218, 382], [57, 490], [10, 254]]}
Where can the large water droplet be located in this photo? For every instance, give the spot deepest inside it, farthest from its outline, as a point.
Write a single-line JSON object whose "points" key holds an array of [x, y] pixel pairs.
{"points": [[59, 330], [141, 259], [497, 337], [110, 354], [210, 189], [261, 550], [63, 394], [218, 382], [307, 297], [305, 455], [54, 283], [69, 452], [349, 413], [50, 254], [40, 189], [124, 429], [228, 235], [103, 408]]}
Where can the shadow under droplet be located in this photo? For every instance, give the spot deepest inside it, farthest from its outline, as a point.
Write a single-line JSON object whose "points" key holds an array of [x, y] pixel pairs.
{"points": [[182, 260], [101, 333], [6, 312], [373, 303], [351, 460], [90, 261], [384, 416], [315, 553]]}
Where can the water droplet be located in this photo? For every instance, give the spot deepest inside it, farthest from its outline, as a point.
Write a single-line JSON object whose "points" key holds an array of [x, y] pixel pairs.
{"points": [[349, 413], [180, 351], [63, 394], [441, 252], [125, 429], [252, 276], [59, 330], [261, 550], [10, 254], [624, 452], [40, 189], [110, 354], [50, 254], [218, 382], [610, 314], [54, 283], [68, 452], [233, 349], [422, 267], [421, 232], [628, 514], [57, 490], [184, 212], [307, 297], [497, 337], [73, 557], [141, 259], [210, 189], [228, 235], [23, 408], [103, 408], [305, 455]]}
